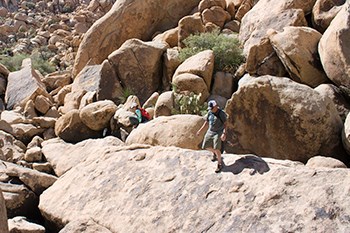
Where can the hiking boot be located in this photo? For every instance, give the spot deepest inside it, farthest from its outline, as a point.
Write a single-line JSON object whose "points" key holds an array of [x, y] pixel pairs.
{"points": [[213, 159], [218, 169]]}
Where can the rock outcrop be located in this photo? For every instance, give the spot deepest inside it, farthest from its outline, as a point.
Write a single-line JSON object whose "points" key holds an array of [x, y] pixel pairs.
{"points": [[170, 189], [143, 19], [177, 130], [279, 118]]}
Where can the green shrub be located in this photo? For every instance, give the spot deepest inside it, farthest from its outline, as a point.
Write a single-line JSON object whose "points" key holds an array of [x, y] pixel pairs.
{"points": [[227, 51], [39, 59], [13, 63], [189, 104], [126, 93]]}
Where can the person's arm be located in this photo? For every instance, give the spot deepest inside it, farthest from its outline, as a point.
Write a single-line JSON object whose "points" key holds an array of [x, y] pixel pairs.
{"points": [[203, 126], [224, 132]]}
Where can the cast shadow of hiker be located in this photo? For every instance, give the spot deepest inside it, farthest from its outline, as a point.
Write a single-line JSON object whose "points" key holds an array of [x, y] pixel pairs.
{"points": [[249, 161]]}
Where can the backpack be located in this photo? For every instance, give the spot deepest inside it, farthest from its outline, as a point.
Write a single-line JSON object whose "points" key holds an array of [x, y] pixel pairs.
{"points": [[145, 115]]}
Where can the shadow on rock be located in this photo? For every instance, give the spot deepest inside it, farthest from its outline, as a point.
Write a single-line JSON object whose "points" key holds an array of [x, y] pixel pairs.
{"points": [[250, 161]]}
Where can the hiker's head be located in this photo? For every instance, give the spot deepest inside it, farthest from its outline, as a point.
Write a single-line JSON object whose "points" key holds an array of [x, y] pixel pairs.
{"points": [[212, 106]]}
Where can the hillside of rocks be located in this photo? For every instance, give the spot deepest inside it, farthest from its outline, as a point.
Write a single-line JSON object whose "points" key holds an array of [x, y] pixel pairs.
{"points": [[72, 162]]}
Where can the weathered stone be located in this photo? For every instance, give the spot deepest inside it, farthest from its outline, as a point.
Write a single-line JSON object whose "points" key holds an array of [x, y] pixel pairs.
{"points": [[223, 84], [324, 12], [23, 85], [216, 15], [11, 150], [99, 78], [190, 25], [297, 49], [320, 161], [19, 199], [279, 118], [121, 184], [144, 17], [138, 66], [171, 62], [33, 154], [334, 46], [21, 224], [178, 130], [165, 104], [63, 156], [335, 94], [201, 64], [36, 181], [57, 80], [206, 4], [70, 128], [42, 104], [152, 100], [84, 225], [186, 83], [171, 37], [281, 13], [3, 215], [25, 132], [97, 115]]}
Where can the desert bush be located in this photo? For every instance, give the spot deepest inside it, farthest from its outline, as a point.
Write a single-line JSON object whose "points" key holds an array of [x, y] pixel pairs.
{"points": [[39, 59], [189, 104], [227, 51]]}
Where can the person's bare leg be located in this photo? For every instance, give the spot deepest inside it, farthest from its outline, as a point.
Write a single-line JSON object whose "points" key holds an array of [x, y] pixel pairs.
{"points": [[218, 156]]}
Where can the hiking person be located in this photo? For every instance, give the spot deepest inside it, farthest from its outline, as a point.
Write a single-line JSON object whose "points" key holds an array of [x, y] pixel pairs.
{"points": [[141, 115], [216, 133]]}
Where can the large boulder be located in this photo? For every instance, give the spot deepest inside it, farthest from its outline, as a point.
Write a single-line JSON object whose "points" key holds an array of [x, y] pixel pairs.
{"points": [[11, 149], [23, 85], [176, 130], [200, 64], [138, 65], [335, 94], [334, 46], [297, 48], [281, 13], [63, 156], [164, 189], [3, 215], [129, 19], [71, 128], [187, 83], [279, 118], [324, 12], [97, 115], [101, 79]]}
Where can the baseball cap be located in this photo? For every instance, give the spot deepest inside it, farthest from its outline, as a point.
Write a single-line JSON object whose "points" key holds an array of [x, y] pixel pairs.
{"points": [[211, 104]]}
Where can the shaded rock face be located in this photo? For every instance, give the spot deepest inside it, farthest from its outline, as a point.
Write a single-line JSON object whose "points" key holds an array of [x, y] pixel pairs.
{"points": [[177, 130], [276, 117], [297, 49], [324, 12], [23, 85], [281, 13], [334, 48], [144, 18], [3, 215], [138, 66], [163, 189]]}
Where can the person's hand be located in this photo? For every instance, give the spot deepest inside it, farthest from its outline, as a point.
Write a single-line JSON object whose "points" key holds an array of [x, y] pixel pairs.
{"points": [[223, 137], [198, 132]]}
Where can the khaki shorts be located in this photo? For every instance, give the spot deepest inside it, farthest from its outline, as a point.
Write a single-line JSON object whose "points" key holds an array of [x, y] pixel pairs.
{"points": [[212, 140]]}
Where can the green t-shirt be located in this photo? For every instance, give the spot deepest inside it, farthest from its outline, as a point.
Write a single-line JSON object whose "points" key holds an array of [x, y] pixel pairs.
{"points": [[216, 121]]}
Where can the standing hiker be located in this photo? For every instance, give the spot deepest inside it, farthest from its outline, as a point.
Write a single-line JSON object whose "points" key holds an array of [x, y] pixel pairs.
{"points": [[216, 118]]}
